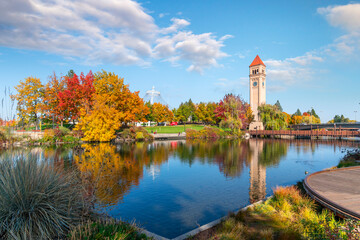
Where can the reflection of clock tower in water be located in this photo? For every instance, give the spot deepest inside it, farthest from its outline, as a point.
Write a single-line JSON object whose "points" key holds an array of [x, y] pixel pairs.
{"points": [[257, 90]]}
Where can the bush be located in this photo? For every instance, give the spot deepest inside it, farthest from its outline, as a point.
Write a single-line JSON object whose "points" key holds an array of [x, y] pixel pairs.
{"points": [[38, 201], [207, 133], [135, 133], [139, 136], [64, 131], [106, 229]]}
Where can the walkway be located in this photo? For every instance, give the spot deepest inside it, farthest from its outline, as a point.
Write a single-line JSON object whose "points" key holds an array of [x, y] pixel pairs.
{"points": [[169, 136], [337, 189]]}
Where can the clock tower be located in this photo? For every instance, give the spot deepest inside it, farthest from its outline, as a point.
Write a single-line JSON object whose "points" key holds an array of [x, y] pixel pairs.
{"points": [[257, 90]]}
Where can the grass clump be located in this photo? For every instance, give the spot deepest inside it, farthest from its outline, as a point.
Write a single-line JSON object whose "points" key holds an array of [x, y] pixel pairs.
{"points": [[289, 214], [106, 230], [352, 158], [38, 201]]}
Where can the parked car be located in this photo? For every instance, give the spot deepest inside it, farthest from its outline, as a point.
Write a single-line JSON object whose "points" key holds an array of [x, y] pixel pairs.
{"points": [[162, 124], [173, 123]]}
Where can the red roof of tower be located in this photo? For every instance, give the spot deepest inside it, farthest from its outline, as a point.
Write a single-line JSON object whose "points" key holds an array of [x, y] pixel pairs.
{"points": [[257, 61]]}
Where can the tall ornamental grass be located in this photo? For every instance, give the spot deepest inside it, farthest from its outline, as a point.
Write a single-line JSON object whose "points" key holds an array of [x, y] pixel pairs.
{"points": [[38, 201]]}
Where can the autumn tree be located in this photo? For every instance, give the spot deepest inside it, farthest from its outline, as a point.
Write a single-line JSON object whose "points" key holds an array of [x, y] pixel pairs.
{"points": [[205, 112], [113, 105], [77, 93], [51, 99], [232, 110], [29, 99], [161, 113]]}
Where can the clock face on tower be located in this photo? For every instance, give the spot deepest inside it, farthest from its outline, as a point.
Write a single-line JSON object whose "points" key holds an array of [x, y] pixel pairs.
{"points": [[255, 84]]}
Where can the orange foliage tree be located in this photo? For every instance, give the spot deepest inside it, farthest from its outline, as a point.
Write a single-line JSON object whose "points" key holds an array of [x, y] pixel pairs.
{"points": [[51, 98], [161, 113], [113, 105]]}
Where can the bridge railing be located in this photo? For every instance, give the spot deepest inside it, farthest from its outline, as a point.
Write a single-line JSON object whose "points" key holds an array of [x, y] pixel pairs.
{"points": [[343, 133]]}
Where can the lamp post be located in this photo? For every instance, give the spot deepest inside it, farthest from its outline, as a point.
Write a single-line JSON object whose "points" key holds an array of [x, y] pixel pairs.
{"points": [[355, 115]]}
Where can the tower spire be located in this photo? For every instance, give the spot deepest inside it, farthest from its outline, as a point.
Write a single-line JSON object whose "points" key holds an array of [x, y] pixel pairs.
{"points": [[257, 61]]}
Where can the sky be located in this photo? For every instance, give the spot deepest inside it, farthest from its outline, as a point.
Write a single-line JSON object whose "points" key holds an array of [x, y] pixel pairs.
{"points": [[192, 49]]}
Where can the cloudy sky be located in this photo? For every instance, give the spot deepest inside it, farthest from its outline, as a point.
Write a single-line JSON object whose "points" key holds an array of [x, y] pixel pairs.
{"points": [[193, 49]]}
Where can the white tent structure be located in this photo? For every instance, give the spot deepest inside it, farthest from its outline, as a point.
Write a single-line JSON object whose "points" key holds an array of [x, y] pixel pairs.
{"points": [[153, 96]]}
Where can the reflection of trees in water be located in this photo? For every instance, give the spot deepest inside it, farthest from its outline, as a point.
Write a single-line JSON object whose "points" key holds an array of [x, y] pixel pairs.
{"points": [[231, 156], [272, 152], [113, 170]]}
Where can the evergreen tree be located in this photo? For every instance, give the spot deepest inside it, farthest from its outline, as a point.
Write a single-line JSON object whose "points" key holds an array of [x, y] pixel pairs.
{"points": [[297, 113], [279, 106]]}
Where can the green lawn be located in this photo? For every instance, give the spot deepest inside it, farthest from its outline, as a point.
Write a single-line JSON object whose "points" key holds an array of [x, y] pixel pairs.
{"points": [[173, 129]]}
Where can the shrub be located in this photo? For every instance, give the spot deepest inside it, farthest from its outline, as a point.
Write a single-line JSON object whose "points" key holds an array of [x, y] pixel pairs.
{"points": [[64, 131], [70, 139], [139, 136], [135, 133], [38, 201], [106, 229]]}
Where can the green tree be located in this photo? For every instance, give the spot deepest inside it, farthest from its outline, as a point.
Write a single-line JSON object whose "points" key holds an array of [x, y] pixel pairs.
{"points": [[186, 111], [340, 119], [272, 117], [313, 113], [297, 113], [279, 106]]}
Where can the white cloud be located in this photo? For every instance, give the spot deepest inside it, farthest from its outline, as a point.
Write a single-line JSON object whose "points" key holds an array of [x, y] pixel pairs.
{"points": [[177, 24], [291, 71], [115, 31], [202, 50], [283, 73], [345, 16]]}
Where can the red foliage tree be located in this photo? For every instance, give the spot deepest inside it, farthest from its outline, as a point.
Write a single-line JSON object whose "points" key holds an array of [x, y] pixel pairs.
{"points": [[78, 92], [233, 106]]}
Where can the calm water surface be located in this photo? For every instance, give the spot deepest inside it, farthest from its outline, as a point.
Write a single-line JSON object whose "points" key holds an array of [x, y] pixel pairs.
{"points": [[172, 187]]}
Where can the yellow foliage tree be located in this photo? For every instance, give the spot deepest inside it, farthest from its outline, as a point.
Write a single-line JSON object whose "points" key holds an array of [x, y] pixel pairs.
{"points": [[29, 99], [161, 113], [114, 104]]}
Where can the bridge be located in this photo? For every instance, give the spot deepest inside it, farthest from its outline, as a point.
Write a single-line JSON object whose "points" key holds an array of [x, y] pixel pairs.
{"points": [[306, 133], [335, 126]]}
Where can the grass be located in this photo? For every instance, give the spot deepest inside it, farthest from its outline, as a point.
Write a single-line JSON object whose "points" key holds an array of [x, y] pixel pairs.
{"points": [[38, 201], [173, 129], [106, 230], [352, 158], [289, 214]]}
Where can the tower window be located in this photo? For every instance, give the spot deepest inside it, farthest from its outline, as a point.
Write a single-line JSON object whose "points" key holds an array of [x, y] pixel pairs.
{"points": [[257, 70]]}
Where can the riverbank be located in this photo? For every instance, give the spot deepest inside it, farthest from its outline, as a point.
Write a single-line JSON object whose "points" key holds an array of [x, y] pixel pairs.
{"points": [[288, 214]]}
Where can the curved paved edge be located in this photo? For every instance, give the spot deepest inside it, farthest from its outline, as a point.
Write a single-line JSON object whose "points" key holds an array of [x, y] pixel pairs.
{"points": [[203, 227], [324, 201]]}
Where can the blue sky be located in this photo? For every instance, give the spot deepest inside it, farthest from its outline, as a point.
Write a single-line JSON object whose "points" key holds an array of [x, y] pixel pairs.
{"points": [[193, 49]]}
